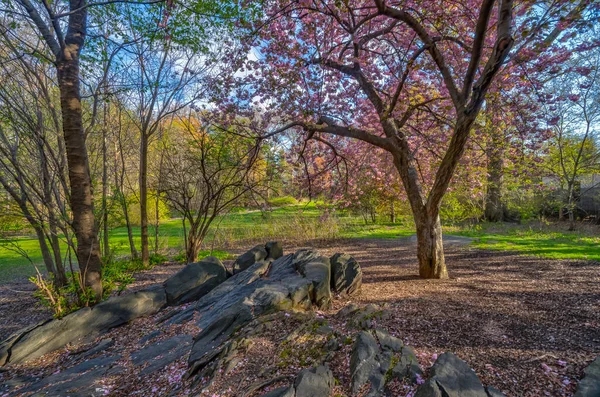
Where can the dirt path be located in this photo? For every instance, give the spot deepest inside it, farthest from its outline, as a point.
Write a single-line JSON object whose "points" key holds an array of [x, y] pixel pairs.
{"points": [[527, 325]]}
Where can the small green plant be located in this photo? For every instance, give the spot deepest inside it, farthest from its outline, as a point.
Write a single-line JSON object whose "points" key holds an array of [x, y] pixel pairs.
{"points": [[116, 276]]}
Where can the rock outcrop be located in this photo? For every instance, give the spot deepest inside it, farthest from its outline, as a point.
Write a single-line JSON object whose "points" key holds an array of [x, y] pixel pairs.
{"points": [[295, 281], [217, 318], [84, 325], [590, 384]]}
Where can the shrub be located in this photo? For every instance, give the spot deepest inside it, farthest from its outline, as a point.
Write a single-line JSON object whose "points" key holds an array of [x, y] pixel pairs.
{"points": [[283, 201]]}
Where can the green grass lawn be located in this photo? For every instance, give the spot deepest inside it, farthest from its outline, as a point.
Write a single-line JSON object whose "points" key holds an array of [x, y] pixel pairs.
{"points": [[547, 240], [309, 221]]}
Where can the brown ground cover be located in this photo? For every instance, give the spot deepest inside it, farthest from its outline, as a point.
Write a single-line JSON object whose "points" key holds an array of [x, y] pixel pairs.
{"points": [[526, 325]]}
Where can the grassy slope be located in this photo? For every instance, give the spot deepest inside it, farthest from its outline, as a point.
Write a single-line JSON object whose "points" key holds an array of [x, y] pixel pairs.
{"points": [[306, 221]]}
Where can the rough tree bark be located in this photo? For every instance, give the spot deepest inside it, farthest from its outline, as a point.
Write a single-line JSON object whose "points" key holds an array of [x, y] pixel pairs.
{"points": [[66, 48], [82, 203]]}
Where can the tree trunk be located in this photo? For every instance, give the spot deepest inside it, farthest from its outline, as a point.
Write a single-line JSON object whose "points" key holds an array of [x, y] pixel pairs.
{"points": [[119, 182], [106, 248], [192, 246], [156, 224], [144, 198], [61, 276], [82, 203], [46, 255], [430, 249], [494, 207], [157, 203], [571, 206], [392, 212]]}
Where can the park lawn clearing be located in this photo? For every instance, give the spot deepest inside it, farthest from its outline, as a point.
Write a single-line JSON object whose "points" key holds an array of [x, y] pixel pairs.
{"points": [[313, 221], [530, 239]]}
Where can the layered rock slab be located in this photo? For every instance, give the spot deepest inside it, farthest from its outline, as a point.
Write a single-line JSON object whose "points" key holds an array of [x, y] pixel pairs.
{"points": [[84, 325], [295, 281]]}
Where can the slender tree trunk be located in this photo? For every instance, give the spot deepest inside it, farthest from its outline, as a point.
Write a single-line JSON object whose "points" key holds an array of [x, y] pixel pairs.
{"points": [[392, 211], [61, 276], [106, 248], [561, 214], [430, 248], [193, 245], [157, 203], [156, 224], [132, 249], [571, 207], [59, 272], [494, 206], [119, 182], [144, 198], [81, 197], [185, 242], [193, 248], [46, 254]]}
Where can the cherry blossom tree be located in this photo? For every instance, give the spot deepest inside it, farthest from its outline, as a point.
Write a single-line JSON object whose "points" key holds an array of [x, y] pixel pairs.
{"points": [[399, 75]]}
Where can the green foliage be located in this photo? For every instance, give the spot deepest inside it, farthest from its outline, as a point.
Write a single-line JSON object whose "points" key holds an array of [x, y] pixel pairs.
{"points": [[457, 207], [134, 210], [283, 201]]}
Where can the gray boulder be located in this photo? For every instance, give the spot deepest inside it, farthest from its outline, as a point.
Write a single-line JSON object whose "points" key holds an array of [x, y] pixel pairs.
{"points": [[451, 377], [364, 362], [249, 258], [589, 386], [274, 250], [317, 269], [364, 317], [346, 274], [194, 281], [310, 382], [314, 382]]}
